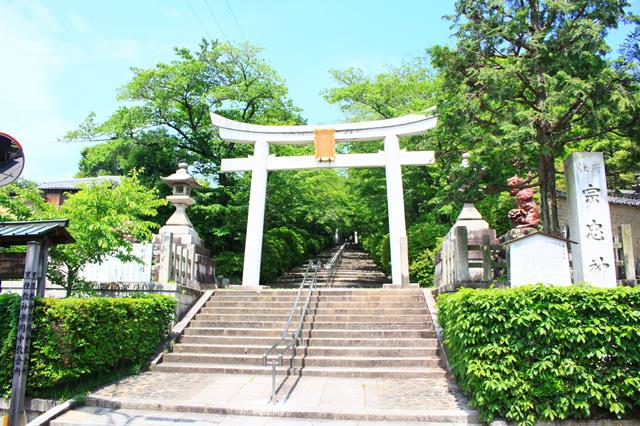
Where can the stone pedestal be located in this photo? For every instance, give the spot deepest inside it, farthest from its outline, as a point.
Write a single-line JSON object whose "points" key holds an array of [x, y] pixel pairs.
{"points": [[538, 258], [589, 219]]}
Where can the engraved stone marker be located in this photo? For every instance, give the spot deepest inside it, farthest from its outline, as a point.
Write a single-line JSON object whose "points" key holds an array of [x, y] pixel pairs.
{"points": [[589, 219]]}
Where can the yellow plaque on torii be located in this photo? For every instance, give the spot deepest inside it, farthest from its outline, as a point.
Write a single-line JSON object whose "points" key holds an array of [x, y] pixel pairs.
{"points": [[325, 144]]}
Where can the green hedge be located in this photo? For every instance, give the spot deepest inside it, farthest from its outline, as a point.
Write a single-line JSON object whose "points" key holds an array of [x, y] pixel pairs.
{"points": [[545, 353], [74, 339]]}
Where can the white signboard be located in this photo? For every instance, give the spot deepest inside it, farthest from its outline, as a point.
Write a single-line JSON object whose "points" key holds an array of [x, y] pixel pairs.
{"points": [[113, 270], [538, 258]]}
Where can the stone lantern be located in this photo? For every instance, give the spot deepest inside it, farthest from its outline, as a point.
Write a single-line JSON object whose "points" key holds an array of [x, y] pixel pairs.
{"points": [[181, 182]]}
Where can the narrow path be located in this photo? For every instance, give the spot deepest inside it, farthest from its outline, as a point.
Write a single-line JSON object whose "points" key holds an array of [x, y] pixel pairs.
{"points": [[357, 270]]}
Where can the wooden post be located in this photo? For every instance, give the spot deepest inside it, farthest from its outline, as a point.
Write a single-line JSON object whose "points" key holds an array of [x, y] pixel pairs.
{"points": [[486, 258], [32, 270], [626, 238], [461, 255], [166, 258], [44, 261]]}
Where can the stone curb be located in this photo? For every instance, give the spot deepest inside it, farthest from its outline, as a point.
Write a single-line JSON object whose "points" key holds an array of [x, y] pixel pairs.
{"points": [[433, 311], [53, 413], [177, 329], [575, 423], [37, 405], [455, 416]]}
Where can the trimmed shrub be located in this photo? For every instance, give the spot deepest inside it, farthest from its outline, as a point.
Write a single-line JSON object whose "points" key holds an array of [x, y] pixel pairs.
{"points": [[545, 353], [74, 339]]}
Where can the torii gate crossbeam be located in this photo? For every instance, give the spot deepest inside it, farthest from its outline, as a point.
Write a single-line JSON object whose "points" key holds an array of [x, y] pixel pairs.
{"points": [[392, 158]]}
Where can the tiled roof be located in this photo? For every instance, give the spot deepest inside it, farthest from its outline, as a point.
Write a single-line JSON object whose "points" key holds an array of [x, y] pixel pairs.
{"points": [[13, 233], [622, 198], [71, 184]]}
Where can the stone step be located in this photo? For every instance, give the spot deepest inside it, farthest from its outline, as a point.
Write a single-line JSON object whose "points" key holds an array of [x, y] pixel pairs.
{"points": [[417, 325], [323, 292], [383, 372], [311, 317], [266, 290], [314, 351], [214, 304], [100, 414], [305, 360], [320, 310], [343, 299], [340, 275], [396, 342], [427, 332]]}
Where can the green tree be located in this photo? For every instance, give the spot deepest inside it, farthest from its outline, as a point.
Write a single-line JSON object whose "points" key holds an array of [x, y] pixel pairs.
{"points": [[530, 80], [165, 118], [20, 201], [103, 220], [409, 88]]}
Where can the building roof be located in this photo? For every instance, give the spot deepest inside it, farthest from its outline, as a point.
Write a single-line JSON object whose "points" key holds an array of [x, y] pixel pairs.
{"points": [[19, 233], [71, 184], [622, 198]]}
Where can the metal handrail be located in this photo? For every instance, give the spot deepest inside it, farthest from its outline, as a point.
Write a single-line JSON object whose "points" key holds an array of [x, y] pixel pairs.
{"points": [[334, 264], [295, 336], [285, 331]]}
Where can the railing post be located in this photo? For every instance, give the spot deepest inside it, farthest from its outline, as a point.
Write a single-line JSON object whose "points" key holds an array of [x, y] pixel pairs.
{"points": [[461, 255], [166, 258], [486, 258], [626, 238]]}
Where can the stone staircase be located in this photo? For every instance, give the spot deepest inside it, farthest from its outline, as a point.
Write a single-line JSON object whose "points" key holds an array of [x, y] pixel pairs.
{"points": [[347, 333], [357, 270], [365, 354]]}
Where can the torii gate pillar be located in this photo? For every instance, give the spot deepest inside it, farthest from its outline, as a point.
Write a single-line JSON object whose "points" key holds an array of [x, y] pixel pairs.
{"points": [[392, 159], [395, 207], [255, 221]]}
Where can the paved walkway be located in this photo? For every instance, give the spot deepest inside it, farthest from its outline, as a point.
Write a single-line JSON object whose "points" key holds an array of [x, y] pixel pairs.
{"points": [[348, 400]]}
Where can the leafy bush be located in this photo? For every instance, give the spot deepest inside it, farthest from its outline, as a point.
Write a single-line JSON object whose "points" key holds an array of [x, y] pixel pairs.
{"points": [[74, 339], [545, 353]]}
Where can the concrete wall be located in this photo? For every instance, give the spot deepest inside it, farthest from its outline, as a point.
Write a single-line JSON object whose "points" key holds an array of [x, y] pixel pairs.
{"points": [[620, 214]]}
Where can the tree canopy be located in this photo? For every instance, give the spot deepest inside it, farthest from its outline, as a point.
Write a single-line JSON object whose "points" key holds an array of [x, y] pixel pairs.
{"points": [[526, 83], [530, 80], [165, 119]]}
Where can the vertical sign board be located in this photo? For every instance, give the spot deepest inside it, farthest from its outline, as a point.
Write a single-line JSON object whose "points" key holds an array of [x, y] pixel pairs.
{"points": [[32, 270], [589, 219]]}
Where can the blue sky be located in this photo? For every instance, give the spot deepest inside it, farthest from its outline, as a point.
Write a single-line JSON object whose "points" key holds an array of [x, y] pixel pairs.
{"points": [[62, 59]]}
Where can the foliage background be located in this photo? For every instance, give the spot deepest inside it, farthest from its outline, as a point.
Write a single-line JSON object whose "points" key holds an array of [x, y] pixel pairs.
{"points": [[525, 84]]}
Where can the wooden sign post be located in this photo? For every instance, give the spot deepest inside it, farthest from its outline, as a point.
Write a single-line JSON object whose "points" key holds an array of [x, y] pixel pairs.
{"points": [[38, 236], [32, 272]]}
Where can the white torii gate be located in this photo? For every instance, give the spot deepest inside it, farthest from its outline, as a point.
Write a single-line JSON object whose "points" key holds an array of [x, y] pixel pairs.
{"points": [[392, 158]]}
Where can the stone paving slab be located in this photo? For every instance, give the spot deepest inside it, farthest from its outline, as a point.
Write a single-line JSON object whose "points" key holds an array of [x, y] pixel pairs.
{"points": [[308, 397], [106, 416]]}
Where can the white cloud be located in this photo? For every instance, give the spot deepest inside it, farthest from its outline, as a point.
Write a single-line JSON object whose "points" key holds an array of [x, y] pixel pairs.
{"points": [[121, 49], [172, 13], [79, 23], [28, 106]]}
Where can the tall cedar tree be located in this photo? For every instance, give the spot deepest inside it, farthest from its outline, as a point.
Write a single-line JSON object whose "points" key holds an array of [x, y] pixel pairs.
{"points": [[529, 78]]}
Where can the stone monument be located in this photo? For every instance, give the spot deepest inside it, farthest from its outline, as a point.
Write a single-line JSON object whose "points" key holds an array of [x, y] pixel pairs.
{"points": [[589, 219]]}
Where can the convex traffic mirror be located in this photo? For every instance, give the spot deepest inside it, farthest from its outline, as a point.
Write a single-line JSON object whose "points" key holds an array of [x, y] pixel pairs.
{"points": [[11, 159]]}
